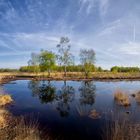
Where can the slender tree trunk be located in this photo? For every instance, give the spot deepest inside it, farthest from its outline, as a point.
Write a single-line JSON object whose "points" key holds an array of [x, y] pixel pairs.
{"points": [[86, 73], [43, 74], [49, 73], [65, 71]]}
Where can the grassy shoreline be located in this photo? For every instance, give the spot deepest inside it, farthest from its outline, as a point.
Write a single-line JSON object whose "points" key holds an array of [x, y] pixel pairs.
{"points": [[77, 76]]}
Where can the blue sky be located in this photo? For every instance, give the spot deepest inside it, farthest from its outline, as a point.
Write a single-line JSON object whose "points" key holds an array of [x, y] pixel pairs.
{"points": [[110, 27]]}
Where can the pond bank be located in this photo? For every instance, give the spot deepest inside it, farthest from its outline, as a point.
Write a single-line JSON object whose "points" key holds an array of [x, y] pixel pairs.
{"points": [[7, 78], [73, 76]]}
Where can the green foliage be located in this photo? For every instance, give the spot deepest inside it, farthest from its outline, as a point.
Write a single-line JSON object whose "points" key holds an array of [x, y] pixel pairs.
{"points": [[33, 63], [99, 69], [71, 68], [64, 56], [47, 61], [56, 68], [8, 70], [75, 68], [124, 69], [29, 69], [87, 58]]}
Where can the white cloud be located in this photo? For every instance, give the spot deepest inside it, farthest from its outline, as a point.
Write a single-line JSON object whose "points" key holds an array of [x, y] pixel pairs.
{"points": [[130, 48]]}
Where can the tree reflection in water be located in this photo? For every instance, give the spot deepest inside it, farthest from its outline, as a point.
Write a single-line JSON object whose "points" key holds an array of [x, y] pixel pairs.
{"points": [[45, 91], [87, 98], [47, 94], [34, 87], [87, 93], [64, 97]]}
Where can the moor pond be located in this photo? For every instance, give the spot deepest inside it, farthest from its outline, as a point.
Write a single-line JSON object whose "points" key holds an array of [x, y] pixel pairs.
{"points": [[64, 109]]}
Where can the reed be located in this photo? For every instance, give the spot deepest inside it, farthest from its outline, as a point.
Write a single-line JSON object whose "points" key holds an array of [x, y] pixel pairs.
{"points": [[122, 130], [18, 129]]}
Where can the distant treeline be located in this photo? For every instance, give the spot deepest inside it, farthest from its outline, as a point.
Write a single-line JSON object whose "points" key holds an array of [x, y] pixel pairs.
{"points": [[79, 68], [73, 68], [125, 69], [8, 70]]}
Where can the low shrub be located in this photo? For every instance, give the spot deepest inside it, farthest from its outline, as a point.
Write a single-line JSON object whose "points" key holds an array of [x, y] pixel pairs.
{"points": [[122, 98]]}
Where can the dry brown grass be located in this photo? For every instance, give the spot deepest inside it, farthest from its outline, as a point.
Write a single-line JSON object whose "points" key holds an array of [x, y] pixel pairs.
{"points": [[122, 98], [4, 114], [75, 75], [120, 126], [24, 131], [4, 117], [12, 128], [19, 129], [5, 99], [122, 130]]}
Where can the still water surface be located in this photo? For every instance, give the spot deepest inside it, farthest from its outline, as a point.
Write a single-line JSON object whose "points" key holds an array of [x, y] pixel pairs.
{"points": [[64, 108]]}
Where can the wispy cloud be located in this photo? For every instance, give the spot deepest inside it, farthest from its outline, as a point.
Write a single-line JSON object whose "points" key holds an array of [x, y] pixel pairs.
{"points": [[104, 5], [110, 28], [104, 25], [130, 48], [87, 5]]}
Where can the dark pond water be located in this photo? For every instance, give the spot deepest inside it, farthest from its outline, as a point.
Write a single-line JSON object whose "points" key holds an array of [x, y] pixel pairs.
{"points": [[64, 108]]}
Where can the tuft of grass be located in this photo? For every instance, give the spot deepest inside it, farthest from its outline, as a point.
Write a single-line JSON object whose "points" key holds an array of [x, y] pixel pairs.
{"points": [[122, 130], [13, 128], [94, 114], [3, 121], [4, 114], [4, 118], [114, 131], [24, 131], [122, 98], [19, 129], [121, 127], [5, 99]]}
